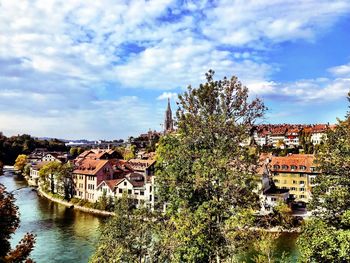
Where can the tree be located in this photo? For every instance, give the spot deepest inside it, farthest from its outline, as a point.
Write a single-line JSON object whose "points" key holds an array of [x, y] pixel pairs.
{"points": [[103, 201], [126, 237], [9, 222], [204, 176], [326, 238], [73, 152], [20, 162], [59, 176], [47, 175], [129, 153]]}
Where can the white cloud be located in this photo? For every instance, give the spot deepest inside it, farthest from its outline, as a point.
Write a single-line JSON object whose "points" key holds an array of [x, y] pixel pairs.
{"points": [[342, 70], [167, 95], [59, 58]]}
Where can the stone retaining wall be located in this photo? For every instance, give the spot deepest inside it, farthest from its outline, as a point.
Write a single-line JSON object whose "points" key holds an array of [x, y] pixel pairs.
{"points": [[70, 205]]}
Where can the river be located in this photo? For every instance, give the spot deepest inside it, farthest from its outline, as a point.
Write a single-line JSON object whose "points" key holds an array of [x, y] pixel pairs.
{"points": [[63, 234], [67, 235]]}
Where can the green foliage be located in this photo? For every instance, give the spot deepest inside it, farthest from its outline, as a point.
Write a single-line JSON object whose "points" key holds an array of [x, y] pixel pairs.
{"points": [[9, 222], [75, 151], [62, 173], [127, 237], [11, 147], [326, 238], [203, 174], [320, 242], [103, 201], [130, 153], [20, 162], [26, 170]]}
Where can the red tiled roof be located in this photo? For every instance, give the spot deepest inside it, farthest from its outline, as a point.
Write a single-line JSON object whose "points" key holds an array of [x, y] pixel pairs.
{"points": [[298, 160], [89, 166]]}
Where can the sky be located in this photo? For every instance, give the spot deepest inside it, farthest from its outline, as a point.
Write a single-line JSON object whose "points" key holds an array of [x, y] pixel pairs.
{"points": [[104, 69]]}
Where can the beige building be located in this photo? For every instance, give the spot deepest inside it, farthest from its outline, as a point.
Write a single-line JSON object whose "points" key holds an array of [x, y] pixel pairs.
{"points": [[295, 173], [88, 174]]}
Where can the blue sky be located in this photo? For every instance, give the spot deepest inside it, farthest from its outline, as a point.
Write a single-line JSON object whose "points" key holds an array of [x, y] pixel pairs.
{"points": [[104, 69]]}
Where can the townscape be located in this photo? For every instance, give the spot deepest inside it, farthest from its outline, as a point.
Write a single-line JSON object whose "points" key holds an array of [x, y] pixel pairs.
{"points": [[102, 172], [174, 131]]}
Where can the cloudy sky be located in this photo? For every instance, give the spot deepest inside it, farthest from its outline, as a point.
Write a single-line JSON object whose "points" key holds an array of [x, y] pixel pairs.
{"points": [[103, 69]]}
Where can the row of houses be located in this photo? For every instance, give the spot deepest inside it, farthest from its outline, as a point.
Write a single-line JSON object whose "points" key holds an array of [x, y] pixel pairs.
{"points": [[97, 172], [288, 134]]}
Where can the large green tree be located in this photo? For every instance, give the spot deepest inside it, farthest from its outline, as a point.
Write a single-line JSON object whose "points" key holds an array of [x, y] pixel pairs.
{"points": [[9, 222], [326, 237], [205, 177]]}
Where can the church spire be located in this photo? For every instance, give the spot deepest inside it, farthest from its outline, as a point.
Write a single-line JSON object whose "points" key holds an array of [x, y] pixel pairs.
{"points": [[168, 120]]}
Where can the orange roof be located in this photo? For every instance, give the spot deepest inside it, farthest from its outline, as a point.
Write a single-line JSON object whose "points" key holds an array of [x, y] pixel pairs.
{"points": [[90, 166], [298, 160]]}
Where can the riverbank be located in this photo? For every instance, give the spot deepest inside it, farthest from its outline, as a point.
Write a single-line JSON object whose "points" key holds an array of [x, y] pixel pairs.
{"points": [[74, 206]]}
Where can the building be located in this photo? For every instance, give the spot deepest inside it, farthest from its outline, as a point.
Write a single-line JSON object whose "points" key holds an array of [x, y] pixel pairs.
{"points": [[88, 174], [295, 173], [318, 133], [138, 188], [270, 194], [292, 137], [276, 136], [97, 154], [168, 120], [145, 167]]}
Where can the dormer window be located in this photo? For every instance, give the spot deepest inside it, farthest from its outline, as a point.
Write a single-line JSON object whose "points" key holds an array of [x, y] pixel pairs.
{"points": [[293, 167], [276, 167], [284, 167], [302, 167]]}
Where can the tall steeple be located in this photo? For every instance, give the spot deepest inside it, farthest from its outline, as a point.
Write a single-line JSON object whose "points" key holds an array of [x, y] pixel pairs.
{"points": [[168, 121]]}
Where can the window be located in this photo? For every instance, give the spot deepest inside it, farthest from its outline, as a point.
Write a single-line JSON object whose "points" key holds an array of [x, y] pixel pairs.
{"points": [[302, 196], [150, 197], [276, 167], [129, 192], [301, 182], [301, 175], [142, 193], [293, 167], [313, 169], [150, 189], [276, 181], [302, 167], [302, 189], [295, 182], [273, 199], [284, 167], [293, 189], [120, 191], [125, 183]]}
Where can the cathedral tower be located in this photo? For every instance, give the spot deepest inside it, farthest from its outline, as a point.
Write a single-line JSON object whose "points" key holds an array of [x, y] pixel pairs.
{"points": [[168, 121]]}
